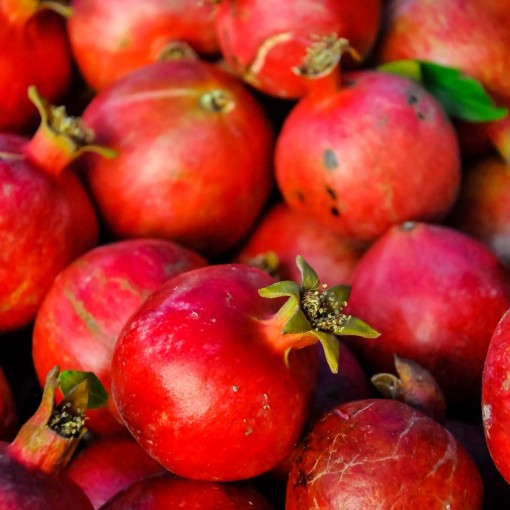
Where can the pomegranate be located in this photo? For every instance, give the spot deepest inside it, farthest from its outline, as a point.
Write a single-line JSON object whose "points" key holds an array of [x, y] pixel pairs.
{"points": [[435, 295], [344, 153], [32, 467], [161, 492], [417, 30], [8, 410], [384, 454], [47, 218], [283, 233], [194, 152], [90, 300], [208, 352], [35, 52], [264, 42], [110, 39], [105, 466]]}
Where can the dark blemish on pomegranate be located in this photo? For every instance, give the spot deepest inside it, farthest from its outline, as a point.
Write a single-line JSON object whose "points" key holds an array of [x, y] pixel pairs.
{"points": [[330, 160], [411, 99], [331, 192], [421, 115], [300, 197], [334, 211], [301, 479]]}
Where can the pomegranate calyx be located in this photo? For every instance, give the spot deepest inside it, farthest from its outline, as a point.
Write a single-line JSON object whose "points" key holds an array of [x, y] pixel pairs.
{"points": [[57, 6], [176, 50], [20, 11], [217, 101]]}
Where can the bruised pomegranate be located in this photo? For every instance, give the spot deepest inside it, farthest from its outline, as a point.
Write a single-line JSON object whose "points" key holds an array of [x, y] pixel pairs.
{"points": [[32, 467], [90, 300], [435, 295], [214, 379], [105, 466], [264, 42], [35, 52], [47, 218], [384, 454], [194, 151], [162, 492], [354, 154], [8, 411], [110, 39]]}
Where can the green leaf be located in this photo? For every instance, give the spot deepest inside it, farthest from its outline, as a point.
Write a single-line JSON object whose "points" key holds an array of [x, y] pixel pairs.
{"points": [[331, 348], [309, 277], [357, 327], [461, 96], [280, 289], [68, 379]]}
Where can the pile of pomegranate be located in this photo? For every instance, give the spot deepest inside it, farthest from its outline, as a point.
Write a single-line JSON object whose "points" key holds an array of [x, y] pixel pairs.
{"points": [[254, 255]]}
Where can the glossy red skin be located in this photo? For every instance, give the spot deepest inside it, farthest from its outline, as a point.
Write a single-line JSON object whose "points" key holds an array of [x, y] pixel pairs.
{"points": [[382, 454], [358, 159], [202, 385], [165, 491], [90, 300], [38, 231], [437, 32], [289, 233], [245, 27], [483, 207], [435, 295], [21, 487], [8, 410], [34, 52], [496, 396], [106, 466], [110, 39], [206, 175]]}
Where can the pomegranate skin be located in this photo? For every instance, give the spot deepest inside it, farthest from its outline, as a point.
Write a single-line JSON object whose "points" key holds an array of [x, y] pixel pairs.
{"points": [[435, 295], [437, 32], [496, 396], [8, 409], [110, 39], [38, 231], [263, 42], [200, 382], [88, 303], [194, 153], [382, 454], [166, 491], [97, 470], [358, 159]]}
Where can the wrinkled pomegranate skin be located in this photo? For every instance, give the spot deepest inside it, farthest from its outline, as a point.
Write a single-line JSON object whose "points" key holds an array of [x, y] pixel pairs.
{"points": [[22, 488], [198, 383], [90, 300], [35, 52], [38, 231], [110, 39], [165, 491], [182, 172], [358, 160], [382, 454], [245, 28], [496, 397], [436, 31], [106, 466], [289, 233], [435, 295]]}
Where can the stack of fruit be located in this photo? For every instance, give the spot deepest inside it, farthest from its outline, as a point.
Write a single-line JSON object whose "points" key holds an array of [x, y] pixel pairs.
{"points": [[254, 254]]}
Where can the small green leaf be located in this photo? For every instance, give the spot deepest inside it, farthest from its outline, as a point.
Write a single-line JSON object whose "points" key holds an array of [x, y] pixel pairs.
{"points": [[461, 96], [357, 327], [68, 379], [280, 289]]}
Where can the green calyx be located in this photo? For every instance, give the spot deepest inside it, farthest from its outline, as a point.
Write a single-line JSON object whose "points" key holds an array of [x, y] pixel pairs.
{"points": [[315, 309]]}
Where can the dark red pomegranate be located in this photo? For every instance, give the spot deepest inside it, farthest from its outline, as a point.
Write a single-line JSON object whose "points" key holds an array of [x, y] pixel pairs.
{"points": [[35, 52], [214, 380], [110, 39], [32, 467], [8, 409], [264, 42], [90, 300], [104, 467], [384, 454], [194, 152]]}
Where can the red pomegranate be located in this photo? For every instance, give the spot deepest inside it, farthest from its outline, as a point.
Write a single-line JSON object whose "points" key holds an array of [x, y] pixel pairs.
{"points": [[264, 42], [90, 300], [208, 353], [32, 466], [194, 152], [35, 52], [110, 39]]}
